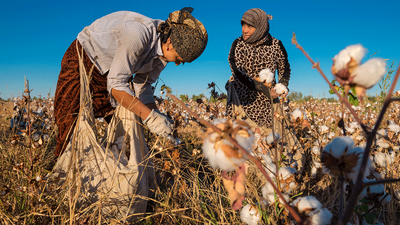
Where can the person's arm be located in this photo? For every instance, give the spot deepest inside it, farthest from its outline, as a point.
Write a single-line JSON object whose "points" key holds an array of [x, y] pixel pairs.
{"points": [[283, 66], [252, 84], [133, 104]]}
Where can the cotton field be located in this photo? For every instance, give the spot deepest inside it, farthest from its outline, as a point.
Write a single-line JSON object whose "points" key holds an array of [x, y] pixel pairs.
{"points": [[196, 185]]}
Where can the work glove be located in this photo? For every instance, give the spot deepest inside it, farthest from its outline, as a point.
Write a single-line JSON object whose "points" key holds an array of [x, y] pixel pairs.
{"points": [[171, 121], [259, 86], [158, 124]]}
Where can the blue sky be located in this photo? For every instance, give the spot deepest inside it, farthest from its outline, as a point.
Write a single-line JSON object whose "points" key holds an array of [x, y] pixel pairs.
{"points": [[35, 35]]}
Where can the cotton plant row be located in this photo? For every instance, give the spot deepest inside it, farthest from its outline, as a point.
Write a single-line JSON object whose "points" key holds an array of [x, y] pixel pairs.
{"points": [[341, 158], [38, 122]]}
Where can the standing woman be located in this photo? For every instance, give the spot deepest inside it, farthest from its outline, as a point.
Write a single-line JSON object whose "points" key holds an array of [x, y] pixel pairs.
{"points": [[255, 50], [125, 46]]}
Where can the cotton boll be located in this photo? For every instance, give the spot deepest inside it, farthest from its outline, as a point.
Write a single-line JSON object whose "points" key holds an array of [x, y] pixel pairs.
{"points": [[382, 143], [217, 158], [286, 172], [250, 215], [246, 141], [314, 172], [316, 150], [270, 198], [338, 146], [271, 138], [379, 159], [356, 52], [280, 89], [394, 128], [297, 114], [350, 130], [324, 129], [267, 158], [354, 125], [340, 157], [382, 159], [220, 152], [369, 73], [317, 165], [307, 203], [266, 76], [322, 217], [359, 150], [267, 189], [382, 132]]}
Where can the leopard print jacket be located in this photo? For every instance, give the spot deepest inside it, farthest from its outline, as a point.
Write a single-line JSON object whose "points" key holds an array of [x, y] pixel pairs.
{"points": [[246, 62]]}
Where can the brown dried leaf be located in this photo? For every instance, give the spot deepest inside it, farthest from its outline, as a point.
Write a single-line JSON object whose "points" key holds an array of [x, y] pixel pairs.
{"points": [[235, 186], [230, 151]]}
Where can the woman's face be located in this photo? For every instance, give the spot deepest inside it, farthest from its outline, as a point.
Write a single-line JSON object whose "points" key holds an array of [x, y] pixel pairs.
{"points": [[247, 30], [170, 54]]}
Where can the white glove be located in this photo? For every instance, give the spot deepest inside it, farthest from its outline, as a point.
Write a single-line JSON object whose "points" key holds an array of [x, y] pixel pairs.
{"points": [[158, 124]]}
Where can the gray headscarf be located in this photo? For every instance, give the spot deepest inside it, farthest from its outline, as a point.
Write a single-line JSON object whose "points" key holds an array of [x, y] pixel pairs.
{"points": [[188, 35], [258, 19]]}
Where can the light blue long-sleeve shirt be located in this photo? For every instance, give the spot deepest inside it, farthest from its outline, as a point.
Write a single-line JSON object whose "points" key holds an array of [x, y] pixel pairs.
{"points": [[125, 44]]}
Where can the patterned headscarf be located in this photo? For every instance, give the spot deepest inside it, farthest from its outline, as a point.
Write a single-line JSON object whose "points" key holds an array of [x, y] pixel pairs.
{"points": [[188, 35], [258, 19]]}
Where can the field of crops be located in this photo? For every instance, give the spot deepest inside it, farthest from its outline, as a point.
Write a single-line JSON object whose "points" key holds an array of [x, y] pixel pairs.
{"points": [[190, 191]]}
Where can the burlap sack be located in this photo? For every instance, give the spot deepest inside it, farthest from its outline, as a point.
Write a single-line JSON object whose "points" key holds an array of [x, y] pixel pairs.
{"points": [[96, 177]]}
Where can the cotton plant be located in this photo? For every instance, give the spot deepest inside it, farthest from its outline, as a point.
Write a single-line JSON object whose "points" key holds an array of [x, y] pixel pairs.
{"points": [[350, 72], [222, 154], [311, 209]]}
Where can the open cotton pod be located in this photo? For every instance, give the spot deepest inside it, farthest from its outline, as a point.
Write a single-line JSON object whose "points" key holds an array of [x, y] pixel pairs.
{"points": [[219, 151]]}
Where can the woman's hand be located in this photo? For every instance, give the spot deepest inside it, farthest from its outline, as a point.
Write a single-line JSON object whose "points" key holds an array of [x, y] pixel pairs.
{"points": [[158, 124], [273, 93], [155, 121]]}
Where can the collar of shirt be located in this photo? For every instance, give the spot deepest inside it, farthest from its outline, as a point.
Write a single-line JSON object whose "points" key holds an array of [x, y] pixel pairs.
{"points": [[159, 51]]}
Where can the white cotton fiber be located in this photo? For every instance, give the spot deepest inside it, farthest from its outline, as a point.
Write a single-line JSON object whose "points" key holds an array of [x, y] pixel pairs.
{"points": [[266, 76], [250, 215], [369, 73], [356, 52], [280, 89]]}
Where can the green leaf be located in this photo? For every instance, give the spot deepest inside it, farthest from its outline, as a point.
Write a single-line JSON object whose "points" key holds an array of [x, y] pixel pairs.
{"points": [[331, 92], [364, 200], [353, 99], [370, 217], [364, 208]]}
